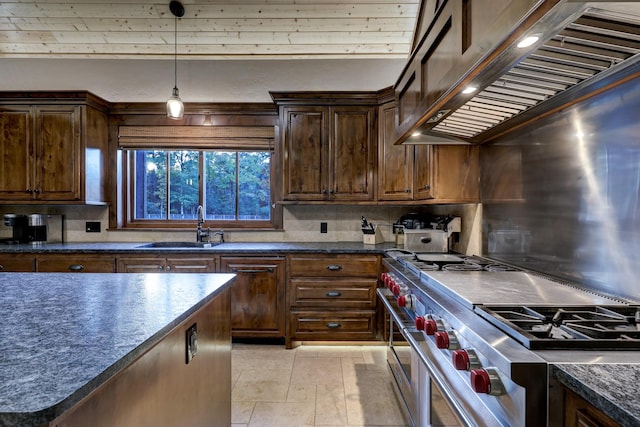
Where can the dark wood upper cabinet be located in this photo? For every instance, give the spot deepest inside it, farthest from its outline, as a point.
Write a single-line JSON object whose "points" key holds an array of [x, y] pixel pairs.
{"points": [[328, 146], [53, 148]]}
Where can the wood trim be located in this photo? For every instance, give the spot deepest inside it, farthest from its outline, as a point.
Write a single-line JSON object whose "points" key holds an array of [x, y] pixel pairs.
{"points": [[230, 137]]}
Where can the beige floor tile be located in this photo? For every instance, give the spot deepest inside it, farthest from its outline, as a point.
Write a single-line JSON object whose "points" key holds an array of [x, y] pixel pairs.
{"points": [[285, 414], [260, 391], [331, 408], [371, 400], [300, 392], [241, 412], [325, 370]]}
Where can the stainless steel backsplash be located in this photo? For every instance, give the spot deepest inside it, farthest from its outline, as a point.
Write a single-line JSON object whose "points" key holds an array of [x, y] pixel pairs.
{"points": [[562, 196]]}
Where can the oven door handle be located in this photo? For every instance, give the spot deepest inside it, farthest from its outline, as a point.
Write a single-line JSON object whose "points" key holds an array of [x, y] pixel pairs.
{"points": [[393, 311], [437, 377]]}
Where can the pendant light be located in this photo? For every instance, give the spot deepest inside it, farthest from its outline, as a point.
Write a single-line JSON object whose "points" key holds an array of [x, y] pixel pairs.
{"points": [[175, 107]]}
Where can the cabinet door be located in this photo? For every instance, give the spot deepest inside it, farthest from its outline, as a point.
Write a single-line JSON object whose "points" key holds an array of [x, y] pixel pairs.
{"points": [[58, 162], [16, 263], [352, 153], [395, 162], [257, 296], [76, 263], [305, 153], [456, 173], [190, 265], [423, 172], [141, 265], [16, 158]]}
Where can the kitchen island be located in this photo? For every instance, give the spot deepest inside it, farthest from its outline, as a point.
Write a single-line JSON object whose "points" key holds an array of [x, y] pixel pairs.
{"points": [[111, 349]]}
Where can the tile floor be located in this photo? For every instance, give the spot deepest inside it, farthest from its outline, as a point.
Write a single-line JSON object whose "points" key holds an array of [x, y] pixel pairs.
{"points": [[312, 385]]}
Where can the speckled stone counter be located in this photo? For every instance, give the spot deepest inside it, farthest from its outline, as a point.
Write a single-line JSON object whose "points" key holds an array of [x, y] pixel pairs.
{"points": [[610, 387], [64, 334], [227, 248]]}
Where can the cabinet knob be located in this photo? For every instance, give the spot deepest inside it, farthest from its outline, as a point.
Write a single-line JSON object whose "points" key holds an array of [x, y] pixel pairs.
{"points": [[28, 190], [427, 187], [333, 325], [324, 191], [1, 267], [334, 267], [36, 190], [76, 267], [160, 267], [407, 190], [168, 267]]}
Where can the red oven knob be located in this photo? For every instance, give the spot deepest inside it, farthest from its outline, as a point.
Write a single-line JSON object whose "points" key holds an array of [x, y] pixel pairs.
{"points": [[465, 359], [430, 326], [395, 288], [402, 301], [446, 340], [486, 381], [420, 323], [383, 278]]}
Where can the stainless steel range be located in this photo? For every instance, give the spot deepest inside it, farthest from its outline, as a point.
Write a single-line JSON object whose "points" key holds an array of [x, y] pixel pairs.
{"points": [[471, 338]]}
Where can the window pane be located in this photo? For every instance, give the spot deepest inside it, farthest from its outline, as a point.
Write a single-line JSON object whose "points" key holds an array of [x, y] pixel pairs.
{"points": [[253, 183], [220, 185], [151, 184], [183, 184]]}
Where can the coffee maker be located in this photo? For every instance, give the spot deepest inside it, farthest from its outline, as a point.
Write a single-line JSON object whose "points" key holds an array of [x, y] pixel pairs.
{"points": [[34, 228]]}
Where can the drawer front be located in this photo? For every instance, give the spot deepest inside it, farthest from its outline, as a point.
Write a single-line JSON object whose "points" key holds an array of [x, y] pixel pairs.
{"points": [[10, 263], [320, 325], [76, 265], [334, 266], [353, 293]]}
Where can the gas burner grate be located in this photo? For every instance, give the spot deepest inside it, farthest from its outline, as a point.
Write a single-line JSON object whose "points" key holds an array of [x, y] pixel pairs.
{"points": [[462, 267], [552, 327]]}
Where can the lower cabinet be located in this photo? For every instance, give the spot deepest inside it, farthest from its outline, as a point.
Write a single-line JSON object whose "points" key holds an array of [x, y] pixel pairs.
{"points": [[76, 263], [580, 413], [173, 264], [332, 297], [257, 296], [20, 263]]}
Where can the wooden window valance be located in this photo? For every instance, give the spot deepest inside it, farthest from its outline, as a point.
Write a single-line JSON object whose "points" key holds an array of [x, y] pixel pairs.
{"points": [[196, 137]]}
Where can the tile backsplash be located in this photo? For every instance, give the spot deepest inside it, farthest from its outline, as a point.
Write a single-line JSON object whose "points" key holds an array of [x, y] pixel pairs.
{"points": [[302, 223]]}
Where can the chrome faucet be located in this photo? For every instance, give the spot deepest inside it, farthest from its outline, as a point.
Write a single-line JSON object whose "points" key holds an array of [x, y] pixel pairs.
{"points": [[200, 233]]}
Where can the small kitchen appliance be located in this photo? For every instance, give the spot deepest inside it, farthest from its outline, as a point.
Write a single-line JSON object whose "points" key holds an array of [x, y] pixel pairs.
{"points": [[34, 228], [432, 236]]}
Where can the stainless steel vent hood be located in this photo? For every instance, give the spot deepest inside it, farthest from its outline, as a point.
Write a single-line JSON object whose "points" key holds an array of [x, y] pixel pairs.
{"points": [[582, 48]]}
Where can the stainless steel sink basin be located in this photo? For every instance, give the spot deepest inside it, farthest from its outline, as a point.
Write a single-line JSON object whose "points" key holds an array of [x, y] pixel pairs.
{"points": [[178, 245]]}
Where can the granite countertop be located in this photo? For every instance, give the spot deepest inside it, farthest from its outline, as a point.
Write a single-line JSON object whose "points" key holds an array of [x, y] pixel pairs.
{"points": [[65, 334], [610, 387], [230, 247]]}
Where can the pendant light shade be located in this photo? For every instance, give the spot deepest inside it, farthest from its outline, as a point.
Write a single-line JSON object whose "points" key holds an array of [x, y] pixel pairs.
{"points": [[175, 107]]}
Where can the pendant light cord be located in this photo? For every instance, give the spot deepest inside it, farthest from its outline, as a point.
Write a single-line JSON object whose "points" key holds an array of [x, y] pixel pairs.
{"points": [[175, 56]]}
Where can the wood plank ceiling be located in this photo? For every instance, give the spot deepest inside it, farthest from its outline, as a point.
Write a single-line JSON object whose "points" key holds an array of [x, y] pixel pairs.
{"points": [[210, 29]]}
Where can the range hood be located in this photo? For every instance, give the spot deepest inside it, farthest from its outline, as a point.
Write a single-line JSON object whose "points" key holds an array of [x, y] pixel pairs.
{"points": [[583, 48]]}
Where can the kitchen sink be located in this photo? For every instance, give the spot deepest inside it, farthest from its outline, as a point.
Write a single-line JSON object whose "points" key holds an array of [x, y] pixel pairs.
{"points": [[178, 245]]}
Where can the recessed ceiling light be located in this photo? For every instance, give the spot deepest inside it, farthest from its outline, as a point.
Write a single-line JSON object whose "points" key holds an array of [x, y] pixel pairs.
{"points": [[416, 133], [528, 41], [469, 89]]}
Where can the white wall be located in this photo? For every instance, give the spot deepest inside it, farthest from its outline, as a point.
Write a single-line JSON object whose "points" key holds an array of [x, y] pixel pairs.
{"points": [[198, 80]]}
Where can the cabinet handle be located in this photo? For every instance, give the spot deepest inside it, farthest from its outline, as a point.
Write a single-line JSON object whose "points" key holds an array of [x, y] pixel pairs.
{"points": [[253, 270], [333, 325], [1, 267], [407, 190], [160, 267], [333, 294], [427, 186], [36, 190], [324, 191], [28, 190], [331, 191], [334, 267], [76, 267], [168, 267]]}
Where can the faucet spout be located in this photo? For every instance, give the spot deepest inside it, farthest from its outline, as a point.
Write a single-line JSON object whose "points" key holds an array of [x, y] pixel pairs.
{"points": [[200, 233]]}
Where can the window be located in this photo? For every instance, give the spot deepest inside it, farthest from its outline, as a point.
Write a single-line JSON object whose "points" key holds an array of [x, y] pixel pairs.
{"points": [[165, 186]]}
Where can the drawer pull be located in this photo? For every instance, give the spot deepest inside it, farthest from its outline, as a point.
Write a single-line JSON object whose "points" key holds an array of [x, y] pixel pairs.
{"points": [[253, 270], [76, 267], [334, 267], [333, 294], [333, 325]]}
